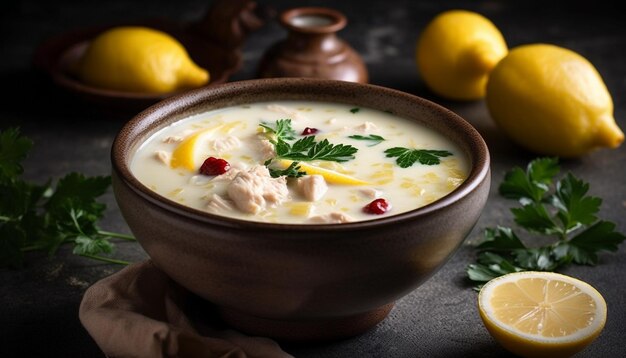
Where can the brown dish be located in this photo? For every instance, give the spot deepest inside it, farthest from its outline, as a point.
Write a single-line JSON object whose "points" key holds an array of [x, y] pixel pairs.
{"points": [[300, 282], [213, 43]]}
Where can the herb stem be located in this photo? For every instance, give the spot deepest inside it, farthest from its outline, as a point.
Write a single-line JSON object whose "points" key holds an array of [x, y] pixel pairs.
{"points": [[5, 218], [31, 248], [106, 259], [117, 235]]}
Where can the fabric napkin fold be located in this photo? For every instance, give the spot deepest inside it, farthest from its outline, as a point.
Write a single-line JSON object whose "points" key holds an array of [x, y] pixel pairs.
{"points": [[141, 312]]}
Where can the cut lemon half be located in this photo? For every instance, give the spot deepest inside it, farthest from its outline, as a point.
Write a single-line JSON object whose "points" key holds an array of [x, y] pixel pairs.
{"points": [[330, 176], [185, 153], [541, 314]]}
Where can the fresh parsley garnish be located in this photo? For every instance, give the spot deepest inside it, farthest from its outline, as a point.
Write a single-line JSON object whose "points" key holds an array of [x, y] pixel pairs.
{"points": [[561, 212], [306, 148], [281, 129], [44, 217], [373, 138], [292, 171], [407, 157], [355, 110]]}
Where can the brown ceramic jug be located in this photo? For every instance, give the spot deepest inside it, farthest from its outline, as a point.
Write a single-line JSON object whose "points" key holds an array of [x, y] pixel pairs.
{"points": [[312, 48]]}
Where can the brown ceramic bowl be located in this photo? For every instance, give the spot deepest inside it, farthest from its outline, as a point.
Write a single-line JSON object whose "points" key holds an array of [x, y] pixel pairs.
{"points": [[300, 282]]}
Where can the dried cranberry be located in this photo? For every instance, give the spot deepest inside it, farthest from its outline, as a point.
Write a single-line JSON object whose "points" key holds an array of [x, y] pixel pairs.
{"points": [[378, 207], [214, 166], [309, 131]]}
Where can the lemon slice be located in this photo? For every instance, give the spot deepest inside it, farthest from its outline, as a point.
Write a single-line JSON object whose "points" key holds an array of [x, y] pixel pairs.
{"points": [[330, 176], [185, 153], [541, 314]]}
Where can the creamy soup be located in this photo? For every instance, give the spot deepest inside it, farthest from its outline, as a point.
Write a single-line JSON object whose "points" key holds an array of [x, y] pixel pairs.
{"points": [[300, 162]]}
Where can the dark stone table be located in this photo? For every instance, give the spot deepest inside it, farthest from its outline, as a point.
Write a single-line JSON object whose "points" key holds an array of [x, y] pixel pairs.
{"points": [[39, 303]]}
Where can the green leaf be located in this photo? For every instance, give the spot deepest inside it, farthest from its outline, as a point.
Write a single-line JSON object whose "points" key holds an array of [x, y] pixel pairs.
{"points": [[599, 237], [281, 129], [13, 149], [532, 184], [574, 207], [81, 191], [373, 138], [490, 266], [293, 171], [355, 110], [534, 217], [540, 259], [407, 157], [86, 245], [500, 238]]}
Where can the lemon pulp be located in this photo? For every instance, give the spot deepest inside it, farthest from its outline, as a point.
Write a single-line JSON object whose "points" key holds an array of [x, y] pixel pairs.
{"points": [[542, 314]]}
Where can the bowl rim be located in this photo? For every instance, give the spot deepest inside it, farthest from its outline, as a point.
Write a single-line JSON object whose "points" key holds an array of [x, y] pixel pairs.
{"points": [[175, 105]]}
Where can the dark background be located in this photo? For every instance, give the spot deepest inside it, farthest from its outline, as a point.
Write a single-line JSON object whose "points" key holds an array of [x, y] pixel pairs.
{"points": [[39, 304]]}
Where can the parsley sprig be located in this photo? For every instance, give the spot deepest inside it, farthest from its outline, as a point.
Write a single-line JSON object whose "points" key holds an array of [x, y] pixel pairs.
{"points": [[374, 139], [43, 217], [406, 157], [560, 211], [304, 149]]}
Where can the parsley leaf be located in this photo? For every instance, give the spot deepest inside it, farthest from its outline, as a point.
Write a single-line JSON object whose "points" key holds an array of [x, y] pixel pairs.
{"points": [[13, 149], [44, 217], [282, 129], [292, 171], [407, 157], [306, 148], [562, 212], [355, 110], [373, 138]]}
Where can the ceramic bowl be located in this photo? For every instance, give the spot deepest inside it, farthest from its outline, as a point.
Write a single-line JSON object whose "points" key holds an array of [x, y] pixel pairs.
{"points": [[299, 282]]}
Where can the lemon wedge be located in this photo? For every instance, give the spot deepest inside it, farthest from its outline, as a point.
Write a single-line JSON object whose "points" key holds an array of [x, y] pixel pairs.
{"points": [[542, 314], [185, 153], [330, 176]]}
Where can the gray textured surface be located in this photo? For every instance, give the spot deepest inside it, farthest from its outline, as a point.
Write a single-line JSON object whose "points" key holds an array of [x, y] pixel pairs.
{"points": [[39, 304]]}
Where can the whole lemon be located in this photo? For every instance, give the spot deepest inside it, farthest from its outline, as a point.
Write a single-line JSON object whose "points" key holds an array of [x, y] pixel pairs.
{"points": [[139, 59], [456, 52], [552, 101]]}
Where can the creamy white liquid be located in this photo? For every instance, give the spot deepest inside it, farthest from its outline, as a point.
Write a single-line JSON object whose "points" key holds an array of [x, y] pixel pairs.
{"points": [[404, 188], [311, 21]]}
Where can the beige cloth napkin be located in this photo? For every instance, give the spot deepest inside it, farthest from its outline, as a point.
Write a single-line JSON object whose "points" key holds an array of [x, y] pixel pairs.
{"points": [[141, 312]]}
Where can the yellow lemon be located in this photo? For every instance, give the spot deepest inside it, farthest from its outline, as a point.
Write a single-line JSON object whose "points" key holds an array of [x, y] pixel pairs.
{"points": [[456, 52], [542, 314], [185, 154], [330, 176], [552, 101], [139, 59]]}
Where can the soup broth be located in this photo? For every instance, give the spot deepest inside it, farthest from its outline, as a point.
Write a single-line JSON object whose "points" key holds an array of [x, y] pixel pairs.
{"points": [[300, 162]]}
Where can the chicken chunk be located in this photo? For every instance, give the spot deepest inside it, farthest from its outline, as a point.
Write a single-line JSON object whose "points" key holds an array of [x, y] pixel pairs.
{"points": [[331, 218], [254, 190], [371, 193], [217, 205], [266, 149], [312, 187], [221, 145], [162, 156], [366, 127]]}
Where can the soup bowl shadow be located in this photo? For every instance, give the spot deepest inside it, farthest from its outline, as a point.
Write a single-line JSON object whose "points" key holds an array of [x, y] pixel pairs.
{"points": [[300, 282]]}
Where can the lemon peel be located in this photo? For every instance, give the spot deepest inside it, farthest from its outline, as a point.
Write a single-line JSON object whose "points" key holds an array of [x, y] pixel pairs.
{"points": [[552, 101], [542, 314], [139, 59], [184, 155], [456, 52], [330, 176]]}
